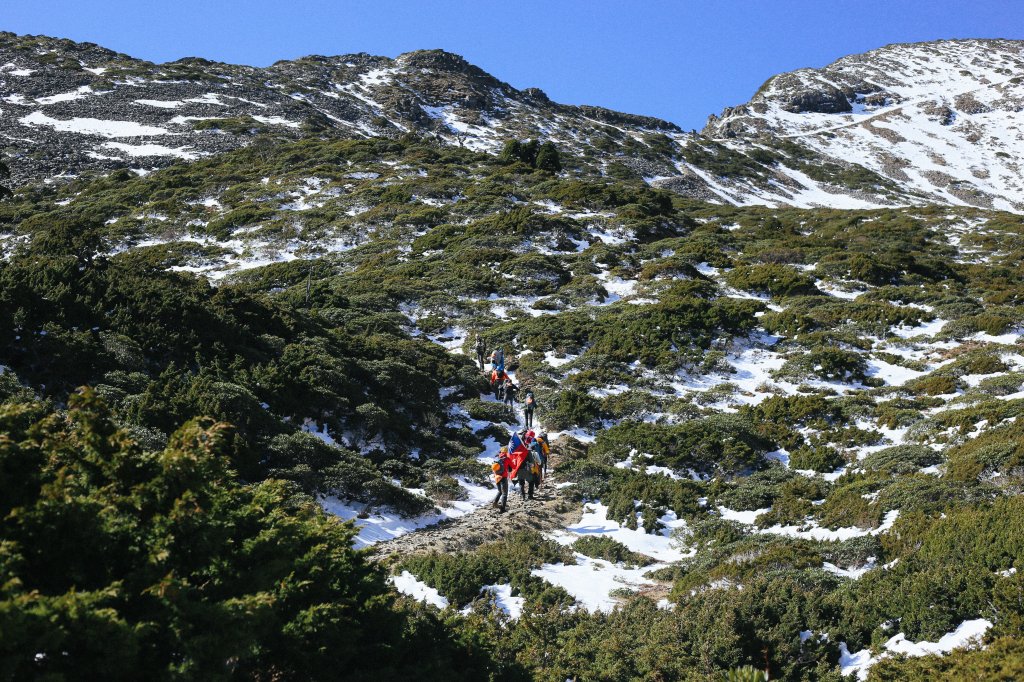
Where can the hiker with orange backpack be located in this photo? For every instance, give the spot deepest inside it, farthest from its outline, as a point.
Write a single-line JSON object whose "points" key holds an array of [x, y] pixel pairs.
{"points": [[545, 452], [529, 405], [538, 461], [500, 467], [498, 384]]}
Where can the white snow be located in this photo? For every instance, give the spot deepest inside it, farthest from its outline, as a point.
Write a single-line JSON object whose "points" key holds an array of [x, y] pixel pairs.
{"points": [[152, 150], [382, 524], [893, 375], [15, 71], [967, 634], [552, 359], [208, 98], [591, 581], [81, 92], [512, 606], [310, 426], [277, 120], [746, 517], [161, 103], [852, 573], [617, 287], [93, 126], [815, 532], [655, 545], [924, 329], [411, 586]]}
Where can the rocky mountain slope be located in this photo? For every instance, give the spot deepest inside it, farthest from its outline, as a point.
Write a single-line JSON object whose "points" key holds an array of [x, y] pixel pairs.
{"points": [[903, 125], [941, 119], [71, 106]]}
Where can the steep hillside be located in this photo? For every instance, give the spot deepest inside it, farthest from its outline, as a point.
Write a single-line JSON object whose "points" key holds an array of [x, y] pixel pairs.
{"points": [[786, 437], [940, 119], [783, 429]]}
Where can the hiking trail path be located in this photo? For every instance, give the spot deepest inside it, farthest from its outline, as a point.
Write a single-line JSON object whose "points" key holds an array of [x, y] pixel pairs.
{"points": [[550, 510], [553, 510]]}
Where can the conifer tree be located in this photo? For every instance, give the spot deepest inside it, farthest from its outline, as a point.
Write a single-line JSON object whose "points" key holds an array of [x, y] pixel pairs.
{"points": [[5, 173], [529, 154], [548, 158], [512, 151]]}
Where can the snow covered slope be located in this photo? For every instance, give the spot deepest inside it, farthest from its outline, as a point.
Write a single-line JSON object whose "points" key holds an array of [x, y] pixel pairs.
{"points": [[939, 119]]}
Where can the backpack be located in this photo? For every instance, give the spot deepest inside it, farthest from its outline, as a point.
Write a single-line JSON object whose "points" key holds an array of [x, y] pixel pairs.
{"points": [[500, 469]]}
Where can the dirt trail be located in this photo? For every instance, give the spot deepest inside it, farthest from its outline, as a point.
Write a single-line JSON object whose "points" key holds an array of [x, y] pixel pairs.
{"points": [[551, 509]]}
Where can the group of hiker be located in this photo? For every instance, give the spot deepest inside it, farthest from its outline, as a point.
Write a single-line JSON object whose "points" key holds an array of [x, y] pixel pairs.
{"points": [[505, 390], [524, 461]]}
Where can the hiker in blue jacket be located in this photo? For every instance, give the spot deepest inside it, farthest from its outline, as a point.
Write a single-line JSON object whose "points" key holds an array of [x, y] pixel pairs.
{"points": [[498, 360]]}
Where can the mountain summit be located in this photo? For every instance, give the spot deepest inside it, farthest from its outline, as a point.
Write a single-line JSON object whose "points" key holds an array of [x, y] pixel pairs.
{"points": [[941, 119]]}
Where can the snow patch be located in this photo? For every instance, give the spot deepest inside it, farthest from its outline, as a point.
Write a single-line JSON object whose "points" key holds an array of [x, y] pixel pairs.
{"points": [[92, 126], [411, 586]]}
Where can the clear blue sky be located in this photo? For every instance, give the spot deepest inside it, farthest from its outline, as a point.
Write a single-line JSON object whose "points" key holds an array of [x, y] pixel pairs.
{"points": [[678, 60]]}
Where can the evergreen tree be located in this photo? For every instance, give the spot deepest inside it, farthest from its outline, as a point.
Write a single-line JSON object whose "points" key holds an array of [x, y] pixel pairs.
{"points": [[532, 153], [529, 154], [512, 152], [548, 158], [119, 564], [5, 173]]}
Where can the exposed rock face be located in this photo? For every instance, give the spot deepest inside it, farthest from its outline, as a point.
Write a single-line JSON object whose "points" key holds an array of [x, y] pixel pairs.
{"points": [[798, 96]]}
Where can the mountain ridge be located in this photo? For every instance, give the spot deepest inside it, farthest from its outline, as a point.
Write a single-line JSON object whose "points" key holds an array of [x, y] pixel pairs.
{"points": [[871, 130]]}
